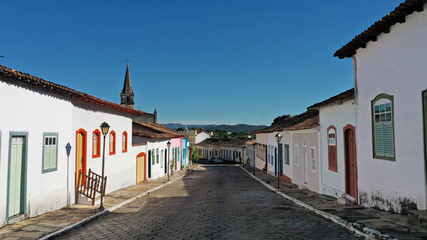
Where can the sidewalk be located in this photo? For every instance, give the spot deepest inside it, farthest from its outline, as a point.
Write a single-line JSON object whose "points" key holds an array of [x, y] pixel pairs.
{"points": [[51, 222], [360, 218]]}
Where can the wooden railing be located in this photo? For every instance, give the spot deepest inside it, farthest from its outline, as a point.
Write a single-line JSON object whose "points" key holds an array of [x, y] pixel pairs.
{"points": [[90, 184]]}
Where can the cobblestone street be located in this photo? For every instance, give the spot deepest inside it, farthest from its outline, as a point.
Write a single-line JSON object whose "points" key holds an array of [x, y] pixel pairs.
{"points": [[213, 202]]}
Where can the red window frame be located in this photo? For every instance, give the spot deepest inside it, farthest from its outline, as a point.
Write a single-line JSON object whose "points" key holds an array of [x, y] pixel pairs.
{"points": [[98, 144], [332, 151], [125, 135], [112, 151]]}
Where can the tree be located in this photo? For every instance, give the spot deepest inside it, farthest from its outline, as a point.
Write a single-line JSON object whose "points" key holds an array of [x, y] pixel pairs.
{"points": [[280, 119], [180, 129]]}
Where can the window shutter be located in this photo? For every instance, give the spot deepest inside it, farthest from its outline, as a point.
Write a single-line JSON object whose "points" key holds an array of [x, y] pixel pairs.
{"points": [[379, 139], [388, 139], [52, 157]]}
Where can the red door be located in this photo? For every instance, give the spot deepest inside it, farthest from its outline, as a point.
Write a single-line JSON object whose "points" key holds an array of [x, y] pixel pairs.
{"points": [[350, 161]]}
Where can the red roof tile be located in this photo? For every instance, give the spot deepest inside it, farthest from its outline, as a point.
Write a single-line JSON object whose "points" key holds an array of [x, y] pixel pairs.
{"points": [[344, 96], [19, 78], [153, 131], [381, 26]]}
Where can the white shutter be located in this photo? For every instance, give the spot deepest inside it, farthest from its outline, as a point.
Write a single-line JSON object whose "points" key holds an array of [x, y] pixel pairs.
{"points": [[379, 139], [388, 139]]}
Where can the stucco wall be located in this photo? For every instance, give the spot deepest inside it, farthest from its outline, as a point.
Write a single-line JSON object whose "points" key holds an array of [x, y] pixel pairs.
{"points": [[261, 138], [395, 65], [333, 183], [287, 168], [306, 139], [120, 167], [35, 113]]}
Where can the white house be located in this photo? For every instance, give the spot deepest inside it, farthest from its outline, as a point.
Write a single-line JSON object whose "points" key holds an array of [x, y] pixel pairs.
{"points": [[49, 134], [228, 149], [338, 163], [389, 64], [280, 157]]}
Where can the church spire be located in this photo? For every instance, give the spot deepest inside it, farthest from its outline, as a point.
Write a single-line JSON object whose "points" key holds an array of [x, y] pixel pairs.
{"points": [[127, 92]]}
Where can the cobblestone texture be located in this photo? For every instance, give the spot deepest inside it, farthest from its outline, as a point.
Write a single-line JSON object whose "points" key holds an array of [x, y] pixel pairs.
{"points": [[212, 203]]}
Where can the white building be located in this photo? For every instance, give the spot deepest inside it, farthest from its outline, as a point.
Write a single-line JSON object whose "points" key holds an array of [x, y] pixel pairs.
{"points": [[389, 64], [337, 119], [48, 134]]}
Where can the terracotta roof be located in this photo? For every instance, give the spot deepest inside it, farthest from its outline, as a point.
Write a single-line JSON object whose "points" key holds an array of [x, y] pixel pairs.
{"points": [[23, 79], [235, 142], [290, 122], [153, 131], [344, 96], [381, 26], [307, 124]]}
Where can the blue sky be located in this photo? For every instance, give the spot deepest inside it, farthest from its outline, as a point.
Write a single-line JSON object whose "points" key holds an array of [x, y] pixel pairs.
{"points": [[195, 61]]}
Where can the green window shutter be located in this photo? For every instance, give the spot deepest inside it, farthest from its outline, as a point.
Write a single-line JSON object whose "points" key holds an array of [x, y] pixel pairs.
{"points": [[388, 139], [379, 139]]}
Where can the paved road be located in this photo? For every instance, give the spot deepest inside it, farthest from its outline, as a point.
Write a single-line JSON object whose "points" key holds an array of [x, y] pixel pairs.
{"points": [[212, 203]]}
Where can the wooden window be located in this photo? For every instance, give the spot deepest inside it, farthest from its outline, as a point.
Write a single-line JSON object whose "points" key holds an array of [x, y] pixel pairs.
{"points": [[383, 127], [50, 152], [296, 154], [112, 143], [157, 155], [162, 159], [96, 144], [313, 158], [124, 141], [152, 157], [287, 154], [332, 149]]}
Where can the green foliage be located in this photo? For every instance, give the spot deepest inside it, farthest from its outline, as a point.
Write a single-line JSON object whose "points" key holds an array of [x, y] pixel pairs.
{"points": [[280, 118]]}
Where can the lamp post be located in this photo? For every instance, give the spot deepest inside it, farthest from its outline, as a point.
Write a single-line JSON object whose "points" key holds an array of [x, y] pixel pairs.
{"points": [[104, 129], [278, 139], [169, 150]]}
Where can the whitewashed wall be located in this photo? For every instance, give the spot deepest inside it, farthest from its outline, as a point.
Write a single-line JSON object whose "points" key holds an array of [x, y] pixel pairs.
{"points": [[396, 65], [202, 137], [261, 138], [333, 183], [120, 167], [287, 139], [35, 113], [158, 169], [307, 138]]}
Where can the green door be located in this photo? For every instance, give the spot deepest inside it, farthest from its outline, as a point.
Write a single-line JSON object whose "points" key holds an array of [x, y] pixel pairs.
{"points": [[425, 130], [16, 191]]}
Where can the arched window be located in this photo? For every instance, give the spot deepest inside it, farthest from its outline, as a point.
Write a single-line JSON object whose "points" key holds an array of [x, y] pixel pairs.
{"points": [[332, 149], [383, 127], [96, 144], [124, 141], [112, 143]]}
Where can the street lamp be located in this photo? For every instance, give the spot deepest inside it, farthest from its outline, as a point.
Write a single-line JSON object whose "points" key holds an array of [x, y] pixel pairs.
{"points": [[104, 129], [278, 139], [169, 152]]}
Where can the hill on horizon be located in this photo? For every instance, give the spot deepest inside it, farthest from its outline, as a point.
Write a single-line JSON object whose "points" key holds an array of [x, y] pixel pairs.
{"points": [[229, 128]]}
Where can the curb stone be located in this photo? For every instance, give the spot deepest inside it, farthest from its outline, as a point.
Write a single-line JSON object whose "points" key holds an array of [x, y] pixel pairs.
{"points": [[366, 232], [107, 211]]}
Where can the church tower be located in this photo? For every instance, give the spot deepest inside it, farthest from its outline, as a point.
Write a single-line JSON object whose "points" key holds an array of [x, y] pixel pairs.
{"points": [[127, 92]]}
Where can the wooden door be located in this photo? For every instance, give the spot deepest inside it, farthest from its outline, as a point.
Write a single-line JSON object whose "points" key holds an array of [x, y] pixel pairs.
{"points": [[305, 155], [350, 161], [140, 167], [166, 161], [16, 181], [149, 164], [80, 154], [425, 132]]}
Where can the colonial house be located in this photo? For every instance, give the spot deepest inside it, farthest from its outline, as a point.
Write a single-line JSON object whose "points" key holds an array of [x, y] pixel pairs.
{"points": [[250, 152], [287, 158], [337, 145], [48, 134], [389, 64], [196, 136], [228, 149]]}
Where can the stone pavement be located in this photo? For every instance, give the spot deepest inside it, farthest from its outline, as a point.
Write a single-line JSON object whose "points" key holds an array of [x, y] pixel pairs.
{"points": [[42, 225], [392, 224], [213, 202]]}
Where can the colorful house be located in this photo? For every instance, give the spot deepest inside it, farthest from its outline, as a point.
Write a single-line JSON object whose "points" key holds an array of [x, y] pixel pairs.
{"points": [[389, 64], [50, 134], [337, 119]]}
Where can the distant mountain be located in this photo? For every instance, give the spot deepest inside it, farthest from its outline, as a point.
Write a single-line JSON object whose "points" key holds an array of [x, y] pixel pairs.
{"points": [[228, 128]]}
